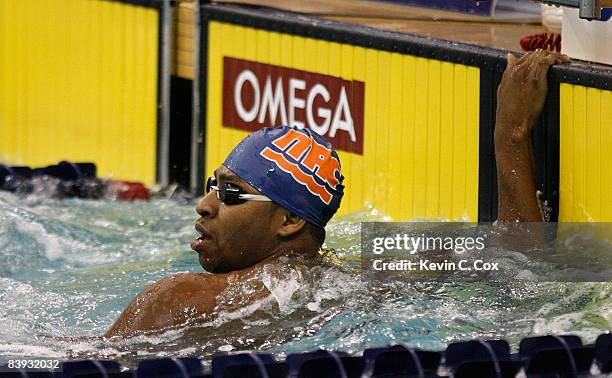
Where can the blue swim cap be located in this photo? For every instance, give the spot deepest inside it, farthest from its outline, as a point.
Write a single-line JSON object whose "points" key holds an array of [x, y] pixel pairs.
{"points": [[296, 168]]}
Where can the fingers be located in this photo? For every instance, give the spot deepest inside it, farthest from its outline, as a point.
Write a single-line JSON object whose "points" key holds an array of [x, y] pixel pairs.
{"points": [[511, 61], [564, 58], [538, 55], [554, 58], [547, 57], [514, 62], [523, 65], [538, 65], [531, 67], [523, 58]]}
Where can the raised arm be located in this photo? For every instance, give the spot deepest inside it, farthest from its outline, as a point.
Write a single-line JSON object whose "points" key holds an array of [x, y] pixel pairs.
{"points": [[520, 99]]}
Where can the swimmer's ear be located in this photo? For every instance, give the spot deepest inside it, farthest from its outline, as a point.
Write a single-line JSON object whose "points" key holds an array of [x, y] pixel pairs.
{"points": [[291, 225]]}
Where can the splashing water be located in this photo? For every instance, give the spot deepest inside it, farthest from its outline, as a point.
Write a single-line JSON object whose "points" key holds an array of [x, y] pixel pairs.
{"points": [[68, 268]]}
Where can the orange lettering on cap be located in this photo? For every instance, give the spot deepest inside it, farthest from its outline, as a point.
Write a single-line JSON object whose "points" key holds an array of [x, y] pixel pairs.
{"points": [[320, 157], [297, 174], [297, 150]]}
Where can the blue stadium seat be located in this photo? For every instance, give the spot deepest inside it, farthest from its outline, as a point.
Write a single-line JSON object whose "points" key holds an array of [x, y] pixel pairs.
{"points": [[475, 350], [123, 374], [272, 370], [430, 361], [169, 368], [15, 179], [25, 172], [248, 365], [531, 345], [88, 170], [540, 357], [69, 171], [507, 369], [63, 171], [332, 367], [74, 369], [221, 364], [603, 352], [553, 355], [297, 360], [6, 175], [400, 361], [70, 369], [24, 374], [565, 362], [76, 179]]}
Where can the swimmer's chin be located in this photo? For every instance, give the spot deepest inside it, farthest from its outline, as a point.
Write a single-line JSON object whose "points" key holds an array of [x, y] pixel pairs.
{"points": [[208, 264]]}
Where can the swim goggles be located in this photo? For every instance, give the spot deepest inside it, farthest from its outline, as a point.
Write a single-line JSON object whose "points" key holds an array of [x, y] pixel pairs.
{"points": [[232, 196]]}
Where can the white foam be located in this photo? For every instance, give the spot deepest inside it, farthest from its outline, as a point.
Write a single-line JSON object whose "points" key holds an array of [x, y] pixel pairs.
{"points": [[53, 245], [567, 323], [23, 350], [281, 290], [243, 312], [226, 348]]}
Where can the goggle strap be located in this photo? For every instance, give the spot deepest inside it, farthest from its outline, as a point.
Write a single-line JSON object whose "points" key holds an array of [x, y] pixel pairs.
{"points": [[248, 197], [254, 197]]}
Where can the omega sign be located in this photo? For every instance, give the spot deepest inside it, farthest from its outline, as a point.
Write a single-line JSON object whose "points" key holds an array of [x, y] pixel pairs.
{"points": [[257, 95]]}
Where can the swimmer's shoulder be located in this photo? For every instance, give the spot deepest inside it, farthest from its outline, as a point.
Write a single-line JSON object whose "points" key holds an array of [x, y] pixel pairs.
{"points": [[193, 285], [195, 278], [162, 305]]}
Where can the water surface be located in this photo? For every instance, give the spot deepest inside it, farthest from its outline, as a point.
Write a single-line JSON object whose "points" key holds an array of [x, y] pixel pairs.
{"points": [[69, 267]]}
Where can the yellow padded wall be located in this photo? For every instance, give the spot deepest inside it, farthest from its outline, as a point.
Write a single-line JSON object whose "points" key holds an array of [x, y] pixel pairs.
{"points": [[421, 121], [78, 81], [585, 166]]}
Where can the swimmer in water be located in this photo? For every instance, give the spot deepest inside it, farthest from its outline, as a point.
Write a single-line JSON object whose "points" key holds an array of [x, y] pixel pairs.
{"points": [[261, 205], [261, 208]]}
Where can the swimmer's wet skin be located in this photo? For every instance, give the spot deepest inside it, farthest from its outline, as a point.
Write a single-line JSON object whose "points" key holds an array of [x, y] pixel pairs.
{"points": [[520, 100], [241, 231]]}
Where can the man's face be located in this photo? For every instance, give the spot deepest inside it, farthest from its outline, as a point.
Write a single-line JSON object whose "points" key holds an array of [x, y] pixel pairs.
{"points": [[235, 237]]}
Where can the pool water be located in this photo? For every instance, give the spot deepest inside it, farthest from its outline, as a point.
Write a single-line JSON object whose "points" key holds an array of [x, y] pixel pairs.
{"points": [[69, 267]]}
